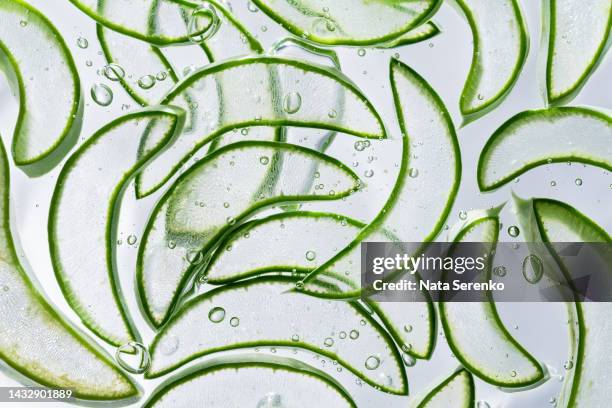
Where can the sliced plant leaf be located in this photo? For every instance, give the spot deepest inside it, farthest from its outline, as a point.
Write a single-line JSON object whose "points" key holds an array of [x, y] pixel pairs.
{"points": [[36, 340], [209, 199], [203, 326], [159, 22], [590, 331], [44, 131], [501, 44], [455, 391], [87, 198], [534, 138], [577, 42], [349, 22], [475, 332], [294, 383], [418, 34], [258, 99]]}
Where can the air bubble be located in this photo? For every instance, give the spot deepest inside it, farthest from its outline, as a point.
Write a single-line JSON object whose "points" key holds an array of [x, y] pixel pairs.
{"points": [[292, 102], [372, 363], [203, 23], [146, 81], [216, 314], [532, 269], [133, 357], [101, 94]]}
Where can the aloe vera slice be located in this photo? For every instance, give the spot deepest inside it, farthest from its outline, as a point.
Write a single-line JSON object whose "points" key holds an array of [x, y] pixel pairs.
{"points": [[348, 22], [418, 34], [36, 340], [272, 383], [475, 332], [219, 191], [258, 99], [589, 325], [159, 22], [455, 391], [501, 44], [296, 237], [534, 138], [577, 42], [202, 326], [44, 131], [87, 197]]}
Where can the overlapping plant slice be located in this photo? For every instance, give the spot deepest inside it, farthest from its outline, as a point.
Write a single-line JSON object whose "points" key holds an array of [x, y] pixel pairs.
{"points": [[87, 198], [534, 138], [266, 382], [36, 340], [501, 44], [253, 97], [418, 34], [39, 66], [159, 22], [590, 330], [208, 199], [455, 391], [349, 22], [577, 42], [342, 331], [474, 331]]}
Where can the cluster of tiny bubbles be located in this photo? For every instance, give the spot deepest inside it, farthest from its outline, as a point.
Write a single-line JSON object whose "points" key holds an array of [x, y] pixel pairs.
{"points": [[146, 81], [361, 145], [500, 271], [138, 353], [514, 231], [113, 72], [271, 400], [372, 362], [82, 42], [203, 23], [532, 269], [169, 345], [101, 94], [292, 102], [216, 314]]}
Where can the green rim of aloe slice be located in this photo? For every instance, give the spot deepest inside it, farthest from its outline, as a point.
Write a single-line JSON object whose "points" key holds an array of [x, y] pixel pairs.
{"points": [[535, 138], [474, 330], [87, 197], [203, 325], [44, 133], [456, 391], [577, 42], [36, 340], [416, 35]]}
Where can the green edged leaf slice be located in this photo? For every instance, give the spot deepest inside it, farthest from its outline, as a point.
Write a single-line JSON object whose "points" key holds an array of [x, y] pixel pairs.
{"points": [[416, 35], [349, 22], [577, 42], [36, 340], [475, 332], [590, 329], [534, 138], [267, 313], [87, 198], [255, 90], [456, 391], [501, 44], [49, 90], [159, 22], [268, 383], [218, 192]]}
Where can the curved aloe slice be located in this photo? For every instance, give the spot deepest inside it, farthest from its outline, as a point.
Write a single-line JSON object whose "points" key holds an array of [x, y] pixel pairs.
{"points": [[87, 197], [421, 33], [36, 340], [45, 131], [296, 237], [476, 334], [219, 191], [272, 383], [252, 97], [589, 324], [534, 138], [348, 22], [501, 44], [456, 391], [159, 22], [137, 60], [577, 42], [202, 326]]}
